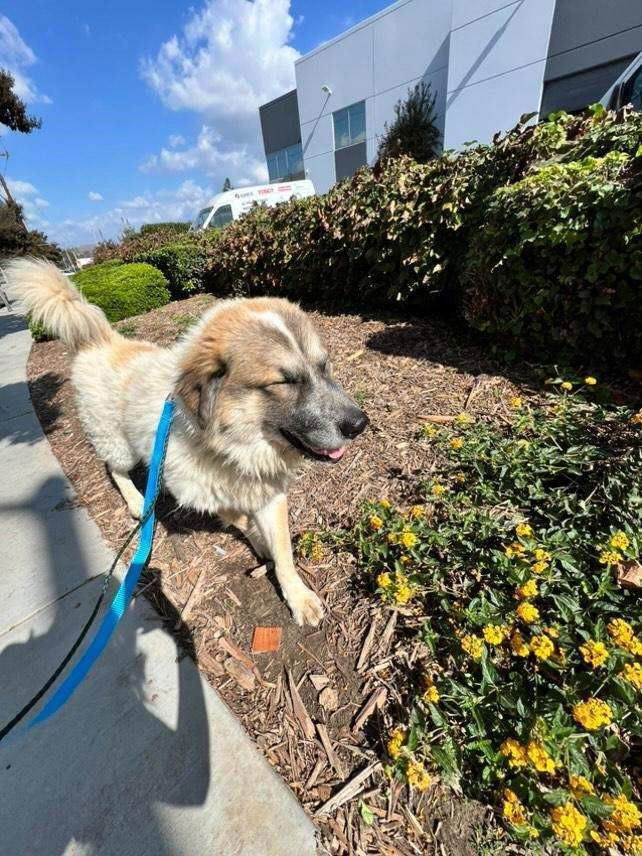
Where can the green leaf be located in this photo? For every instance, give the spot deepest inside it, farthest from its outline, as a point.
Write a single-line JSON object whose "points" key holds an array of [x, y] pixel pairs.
{"points": [[366, 813]]}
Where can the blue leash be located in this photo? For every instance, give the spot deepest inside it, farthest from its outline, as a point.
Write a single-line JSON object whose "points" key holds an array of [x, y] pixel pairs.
{"points": [[121, 599]]}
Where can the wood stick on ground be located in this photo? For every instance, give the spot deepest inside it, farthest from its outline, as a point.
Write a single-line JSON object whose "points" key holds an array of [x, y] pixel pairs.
{"points": [[376, 700], [350, 790], [367, 645], [303, 717], [194, 596], [329, 750]]}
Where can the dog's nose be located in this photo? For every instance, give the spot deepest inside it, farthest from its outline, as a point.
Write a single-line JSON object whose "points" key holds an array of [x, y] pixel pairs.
{"points": [[353, 424]]}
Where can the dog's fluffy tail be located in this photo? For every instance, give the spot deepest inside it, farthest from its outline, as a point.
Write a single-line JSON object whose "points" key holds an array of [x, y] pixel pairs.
{"points": [[52, 299]]}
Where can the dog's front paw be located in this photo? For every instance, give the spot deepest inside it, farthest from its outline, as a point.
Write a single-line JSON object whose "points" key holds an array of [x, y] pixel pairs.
{"points": [[306, 607]]}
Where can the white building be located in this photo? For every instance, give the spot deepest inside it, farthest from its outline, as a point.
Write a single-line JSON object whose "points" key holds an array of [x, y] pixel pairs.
{"points": [[488, 61]]}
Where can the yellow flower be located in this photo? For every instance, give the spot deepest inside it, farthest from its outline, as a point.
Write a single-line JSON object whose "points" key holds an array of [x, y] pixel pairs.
{"points": [[541, 555], [403, 590], [552, 632], [456, 442], [431, 692], [524, 530], [417, 776], [527, 612], [460, 478], [568, 824], [416, 511], [520, 648], [396, 742], [590, 380], [636, 419], [384, 503], [619, 540], [392, 537], [384, 580], [542, 647], [592, 714], [473, 646], [316, 551], [375, 522], [512, 809], [428, 431], [610, 557], [620, 632], [515, 752], [580, 787], [632, 673], [494, 634], [539, 757], [408, 539], [594, 653], [405, 560], [514, 549], [464, 419], [625, 816], [567, 385], [539, 567], [438, 489], [515, 402], [526, 590]]}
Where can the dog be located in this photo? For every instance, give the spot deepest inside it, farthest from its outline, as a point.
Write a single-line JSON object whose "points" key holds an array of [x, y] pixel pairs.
{"points": [[255, 398]]}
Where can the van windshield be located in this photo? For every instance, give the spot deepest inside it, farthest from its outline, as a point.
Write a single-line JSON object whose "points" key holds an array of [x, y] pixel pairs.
{"points": [[201, 217]]}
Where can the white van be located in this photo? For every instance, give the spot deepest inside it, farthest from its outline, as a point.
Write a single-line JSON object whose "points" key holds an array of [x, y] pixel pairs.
{"points": [[230, 205]]}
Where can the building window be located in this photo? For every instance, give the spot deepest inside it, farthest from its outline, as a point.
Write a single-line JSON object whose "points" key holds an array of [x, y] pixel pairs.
{"points": [[350, 125], [286, 164]]}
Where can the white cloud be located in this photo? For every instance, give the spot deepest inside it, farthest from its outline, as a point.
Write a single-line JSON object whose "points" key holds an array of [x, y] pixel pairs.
{"points": [[16, 56], [230, 57], [94, 197], [179, 203], [175, 140], [209, 155], [32, 202]]}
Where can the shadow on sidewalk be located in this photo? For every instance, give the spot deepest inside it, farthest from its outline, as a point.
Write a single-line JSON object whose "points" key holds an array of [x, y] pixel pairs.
{"points": [[92, 779]]}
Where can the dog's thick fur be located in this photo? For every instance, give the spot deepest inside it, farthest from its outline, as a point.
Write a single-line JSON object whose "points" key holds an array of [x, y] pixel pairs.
{"points": [[254, 398]]}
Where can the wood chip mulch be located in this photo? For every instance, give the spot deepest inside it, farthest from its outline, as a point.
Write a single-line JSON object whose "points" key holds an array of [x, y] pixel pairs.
{"points": [[316, 701]]}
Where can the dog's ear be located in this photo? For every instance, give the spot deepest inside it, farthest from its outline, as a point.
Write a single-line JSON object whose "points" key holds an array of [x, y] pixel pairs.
{"points": [[198, 388]]}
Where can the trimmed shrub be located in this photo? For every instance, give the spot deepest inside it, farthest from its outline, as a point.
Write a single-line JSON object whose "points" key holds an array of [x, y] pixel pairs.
{"points": [[123, 290], [558, 259], [182, 263]]}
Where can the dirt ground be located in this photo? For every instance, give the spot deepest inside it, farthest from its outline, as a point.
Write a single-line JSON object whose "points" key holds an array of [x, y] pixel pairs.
{"points": [[319, 707]]}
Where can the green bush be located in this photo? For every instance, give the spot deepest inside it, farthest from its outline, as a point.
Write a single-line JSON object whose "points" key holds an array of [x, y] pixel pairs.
{"points": [[558, 259], [176, 227], [123, 290], [182, 263]]}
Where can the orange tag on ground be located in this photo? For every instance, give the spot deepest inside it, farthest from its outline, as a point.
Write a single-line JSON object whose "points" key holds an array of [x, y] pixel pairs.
{"points": [[266, 639]]}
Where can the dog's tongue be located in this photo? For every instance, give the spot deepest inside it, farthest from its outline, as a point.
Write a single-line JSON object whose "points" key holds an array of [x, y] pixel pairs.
{"points": [[333, 454]]}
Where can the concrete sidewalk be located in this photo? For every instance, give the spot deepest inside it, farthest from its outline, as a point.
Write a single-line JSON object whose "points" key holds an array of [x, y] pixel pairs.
{"points": [[145, 759]]}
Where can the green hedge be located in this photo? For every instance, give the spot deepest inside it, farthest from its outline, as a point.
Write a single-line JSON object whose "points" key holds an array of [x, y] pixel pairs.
{"points": [[558, 259], [182, 263], [123, 290], [177, 227]]}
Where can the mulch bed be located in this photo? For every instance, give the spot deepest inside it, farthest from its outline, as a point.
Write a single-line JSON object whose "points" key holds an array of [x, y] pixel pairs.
{"points": [[318, 707]]}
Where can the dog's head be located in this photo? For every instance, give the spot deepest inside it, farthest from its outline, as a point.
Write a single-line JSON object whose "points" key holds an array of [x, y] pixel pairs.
{"points": [[257, 381]]}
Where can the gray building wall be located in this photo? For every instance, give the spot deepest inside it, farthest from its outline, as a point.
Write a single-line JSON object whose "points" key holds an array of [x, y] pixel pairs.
{"points": [[377, 61], [280, 123], [591, 44], [488, 61]]}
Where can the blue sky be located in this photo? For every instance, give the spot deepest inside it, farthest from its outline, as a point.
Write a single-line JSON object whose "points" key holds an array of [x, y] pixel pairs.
{"points": [[148, 106]]}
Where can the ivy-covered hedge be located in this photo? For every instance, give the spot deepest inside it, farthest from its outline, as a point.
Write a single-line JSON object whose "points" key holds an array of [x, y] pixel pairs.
{"points": [[558, 259]]}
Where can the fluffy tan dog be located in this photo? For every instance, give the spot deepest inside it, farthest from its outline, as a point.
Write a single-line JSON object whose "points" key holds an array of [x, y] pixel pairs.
{"points": [[255, 398]]}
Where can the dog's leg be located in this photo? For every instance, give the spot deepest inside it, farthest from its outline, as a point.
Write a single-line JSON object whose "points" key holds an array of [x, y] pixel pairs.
{"points": [[272, 523], [242, 522], [129, 492]]}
